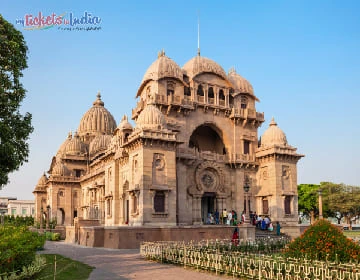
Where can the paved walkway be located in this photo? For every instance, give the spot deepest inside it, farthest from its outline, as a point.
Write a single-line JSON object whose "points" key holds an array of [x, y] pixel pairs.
{"points": [[112, 264]]}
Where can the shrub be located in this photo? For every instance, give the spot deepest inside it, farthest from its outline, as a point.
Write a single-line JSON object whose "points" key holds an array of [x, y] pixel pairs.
{"points": [[324, 241], [52, 236], [18, 247]]}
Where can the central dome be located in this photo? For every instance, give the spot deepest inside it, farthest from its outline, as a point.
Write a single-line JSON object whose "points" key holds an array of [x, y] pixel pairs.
{"points": [[97, 120], [200, 64], [273, 136]]}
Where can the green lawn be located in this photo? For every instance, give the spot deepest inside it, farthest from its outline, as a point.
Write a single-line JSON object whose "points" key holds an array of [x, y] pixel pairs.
{"points": [[352, 233], [65, 269]]}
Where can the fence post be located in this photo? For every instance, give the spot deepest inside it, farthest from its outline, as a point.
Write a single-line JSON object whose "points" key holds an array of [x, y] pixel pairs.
{"points": [[55, 267]]}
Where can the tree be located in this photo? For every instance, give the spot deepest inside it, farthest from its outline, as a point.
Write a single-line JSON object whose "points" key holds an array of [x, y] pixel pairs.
{"points": [[343, 201], [14, 127], [308, 200]]}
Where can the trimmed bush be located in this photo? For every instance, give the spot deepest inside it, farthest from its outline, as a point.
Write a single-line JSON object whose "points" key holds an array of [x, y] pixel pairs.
{"points": [[52, 236], [18, 247], [324, 241]]}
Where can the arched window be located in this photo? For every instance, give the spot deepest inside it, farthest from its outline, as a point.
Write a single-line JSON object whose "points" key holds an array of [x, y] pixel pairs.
{"points": [[170, 88], [211, 95], [221, 98], [200, 91], [244, 102], [287, 203], [187, 91], [231, 101], [265, 206], [159, 202], [221, 95]]}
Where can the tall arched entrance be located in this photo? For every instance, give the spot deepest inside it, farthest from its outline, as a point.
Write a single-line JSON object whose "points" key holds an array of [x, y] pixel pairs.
{"points": [[207, 137]]}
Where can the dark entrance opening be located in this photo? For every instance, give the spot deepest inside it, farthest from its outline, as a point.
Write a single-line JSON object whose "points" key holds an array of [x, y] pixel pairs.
{"points": [[208, 204], [127, 210]]}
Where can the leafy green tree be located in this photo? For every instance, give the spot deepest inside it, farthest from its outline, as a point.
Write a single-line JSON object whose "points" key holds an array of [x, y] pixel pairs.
{"points": [[14, 127], [308, 200]]}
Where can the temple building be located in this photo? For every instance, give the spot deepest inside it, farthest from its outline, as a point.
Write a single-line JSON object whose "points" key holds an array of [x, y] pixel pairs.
{"points": [[194, 148]]}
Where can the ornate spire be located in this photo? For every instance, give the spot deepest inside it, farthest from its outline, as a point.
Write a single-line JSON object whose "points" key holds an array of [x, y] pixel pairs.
{"points": [[273, 122], [98, 101], [161, 53], [232, 70], [124, 118]]}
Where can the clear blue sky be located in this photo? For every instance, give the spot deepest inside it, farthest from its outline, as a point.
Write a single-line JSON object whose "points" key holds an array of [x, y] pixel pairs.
{"points": [[302, 58]]}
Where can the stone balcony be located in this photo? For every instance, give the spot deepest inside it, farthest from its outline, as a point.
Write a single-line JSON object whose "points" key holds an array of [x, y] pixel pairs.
{"points": [[246, 114], [192, 153]]}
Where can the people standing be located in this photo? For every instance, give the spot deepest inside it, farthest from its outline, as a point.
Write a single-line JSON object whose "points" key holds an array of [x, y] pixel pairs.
{"points": [[224, 216], [229, 218], [278, 228], [216, 214]]}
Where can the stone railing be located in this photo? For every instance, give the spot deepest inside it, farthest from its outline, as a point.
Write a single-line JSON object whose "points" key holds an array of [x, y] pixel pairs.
{"points": [[193, 153]]}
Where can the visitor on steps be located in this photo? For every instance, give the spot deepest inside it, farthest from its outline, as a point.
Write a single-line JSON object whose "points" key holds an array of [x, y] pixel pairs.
{"points": [[278, 227]]}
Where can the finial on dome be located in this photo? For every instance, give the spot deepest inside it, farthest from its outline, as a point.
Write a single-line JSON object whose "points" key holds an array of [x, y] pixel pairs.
{"points": [[124, 118], [69, 135], [161, 53], [76, 134], [232, 70], [98, 101], [273, 122]]}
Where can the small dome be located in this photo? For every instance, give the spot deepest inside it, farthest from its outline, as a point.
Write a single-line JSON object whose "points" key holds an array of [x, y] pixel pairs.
{"points": [[124, 124], [273, 136], [100, 143], [43, 180], [163, 67], [60, 170], [151, 118], [61, 150], [97, 120], [241, 85], [75, 146], [199, 64]]}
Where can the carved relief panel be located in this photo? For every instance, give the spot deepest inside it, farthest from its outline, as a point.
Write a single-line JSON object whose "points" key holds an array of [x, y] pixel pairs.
{"points": [[285, 178], [159, 170]]}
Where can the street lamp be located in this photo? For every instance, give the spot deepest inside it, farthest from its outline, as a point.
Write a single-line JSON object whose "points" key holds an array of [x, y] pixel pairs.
{"points": [[48, 217], [246, 190], [320, 204], [41, 218]]}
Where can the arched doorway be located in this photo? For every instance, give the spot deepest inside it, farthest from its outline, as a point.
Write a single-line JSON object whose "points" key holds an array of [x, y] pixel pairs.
{"points": [[61, 217], [208, 205]]}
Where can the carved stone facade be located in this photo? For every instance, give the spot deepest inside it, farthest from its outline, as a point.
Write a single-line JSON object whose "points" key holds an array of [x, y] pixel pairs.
{"points": [[194, 145]]}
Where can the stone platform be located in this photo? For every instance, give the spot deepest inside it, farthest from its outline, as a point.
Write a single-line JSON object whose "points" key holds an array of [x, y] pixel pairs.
{"points": [[130, 237]]}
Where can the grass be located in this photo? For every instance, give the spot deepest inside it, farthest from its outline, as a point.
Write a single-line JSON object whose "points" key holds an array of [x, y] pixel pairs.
{"points": [[352, 233], [65, 269]]}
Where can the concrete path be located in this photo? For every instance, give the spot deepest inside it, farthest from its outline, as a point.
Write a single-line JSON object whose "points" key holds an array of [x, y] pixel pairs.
{"points": [[112, 264]]}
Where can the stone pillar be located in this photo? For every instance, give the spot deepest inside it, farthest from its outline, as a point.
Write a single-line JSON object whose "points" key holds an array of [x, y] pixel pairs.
{"points": [[320, 205], [196, 207]]}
